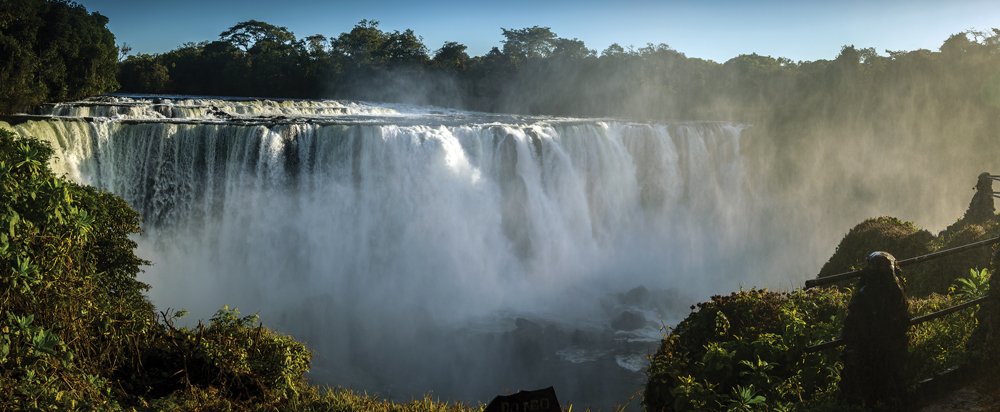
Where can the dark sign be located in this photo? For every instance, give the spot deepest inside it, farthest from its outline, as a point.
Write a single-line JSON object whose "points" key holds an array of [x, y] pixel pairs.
{"points": [[542, 400]]}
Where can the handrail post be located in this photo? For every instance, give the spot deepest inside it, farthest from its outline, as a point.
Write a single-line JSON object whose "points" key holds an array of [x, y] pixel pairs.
{"points": [[985, 340], [981, 207], [875, 337]]}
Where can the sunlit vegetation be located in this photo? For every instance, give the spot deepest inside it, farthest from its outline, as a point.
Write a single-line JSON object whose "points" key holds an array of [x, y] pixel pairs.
{"points": [[746, 351], [749, 344]]}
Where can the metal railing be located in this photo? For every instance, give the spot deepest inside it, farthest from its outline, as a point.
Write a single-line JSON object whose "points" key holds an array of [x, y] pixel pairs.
{"points": [[913, 322], [826, 280], [903, 263], [875, 329]]}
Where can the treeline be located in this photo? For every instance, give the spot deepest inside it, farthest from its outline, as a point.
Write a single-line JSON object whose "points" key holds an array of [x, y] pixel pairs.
{"points": [[53, 50], [532, 71], [536, 71]]}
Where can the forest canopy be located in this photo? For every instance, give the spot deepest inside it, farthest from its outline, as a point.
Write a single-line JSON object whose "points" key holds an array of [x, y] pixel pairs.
{"points": [[536, 71], [53, 50]]}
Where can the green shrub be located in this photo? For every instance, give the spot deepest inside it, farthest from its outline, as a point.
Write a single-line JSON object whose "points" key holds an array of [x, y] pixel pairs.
{"points": [[888, 234], [976, 285], [39, 371], [940, 344], [67, 264], [745, 351], [239, 357], [936, 276]]}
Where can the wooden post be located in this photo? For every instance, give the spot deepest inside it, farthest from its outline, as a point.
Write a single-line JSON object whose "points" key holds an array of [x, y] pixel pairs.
{"points": [[875, 337], [981, 207]]}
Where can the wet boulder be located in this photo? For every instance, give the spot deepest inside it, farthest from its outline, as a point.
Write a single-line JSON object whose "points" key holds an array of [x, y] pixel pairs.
{"points": [[628, 321]]}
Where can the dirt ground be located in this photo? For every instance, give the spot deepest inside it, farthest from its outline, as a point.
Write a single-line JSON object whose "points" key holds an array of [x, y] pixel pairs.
{"points": [[977, 397]]}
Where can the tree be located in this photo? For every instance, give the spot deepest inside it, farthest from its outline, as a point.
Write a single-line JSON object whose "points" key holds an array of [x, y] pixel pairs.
{"points": [[570, 49], [614, 50], [957, 44], [528, 43], [187, 69], [361, 44], [250, 33], [143, 73], [68, 268], [402, 48], [316, 44], [53, 50], [452, 56], [272, 58]]}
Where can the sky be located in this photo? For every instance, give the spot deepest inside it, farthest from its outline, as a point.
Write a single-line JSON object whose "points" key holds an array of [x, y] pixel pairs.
{"points": [[710, 29]]}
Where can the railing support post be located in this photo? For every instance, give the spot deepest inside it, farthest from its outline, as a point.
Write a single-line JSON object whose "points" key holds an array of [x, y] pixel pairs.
{"points": [[981, 207], [875, 337], [985, 340]]}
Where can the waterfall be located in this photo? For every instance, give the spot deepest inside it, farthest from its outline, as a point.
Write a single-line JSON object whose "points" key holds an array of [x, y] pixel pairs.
{"points": [[410, 246]]}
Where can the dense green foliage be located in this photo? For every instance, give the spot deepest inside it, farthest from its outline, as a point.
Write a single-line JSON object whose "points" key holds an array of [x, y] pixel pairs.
{"points": [[52, 50], [749, 342], [746, 351], [68, 278], [939, 345]]}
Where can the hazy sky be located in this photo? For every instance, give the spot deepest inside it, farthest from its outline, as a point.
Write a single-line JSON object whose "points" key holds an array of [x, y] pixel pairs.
{"points": [[717, 30]]}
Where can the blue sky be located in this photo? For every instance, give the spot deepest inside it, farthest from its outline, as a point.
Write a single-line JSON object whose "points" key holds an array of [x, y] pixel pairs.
{"points": [[716, 30]]}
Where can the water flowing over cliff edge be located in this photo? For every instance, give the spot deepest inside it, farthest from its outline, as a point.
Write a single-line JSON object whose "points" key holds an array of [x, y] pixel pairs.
{"points": [[419, 248]]}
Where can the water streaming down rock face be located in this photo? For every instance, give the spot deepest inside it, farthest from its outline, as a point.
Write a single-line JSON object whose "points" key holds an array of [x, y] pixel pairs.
{"points": [[420, 249]]}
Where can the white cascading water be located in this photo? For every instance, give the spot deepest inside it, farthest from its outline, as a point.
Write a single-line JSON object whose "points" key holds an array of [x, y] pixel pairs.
{"points": [[417, 249]]}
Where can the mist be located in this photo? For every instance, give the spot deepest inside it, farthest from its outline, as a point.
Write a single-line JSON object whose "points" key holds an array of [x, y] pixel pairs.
{"points": [[414, 250]]}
